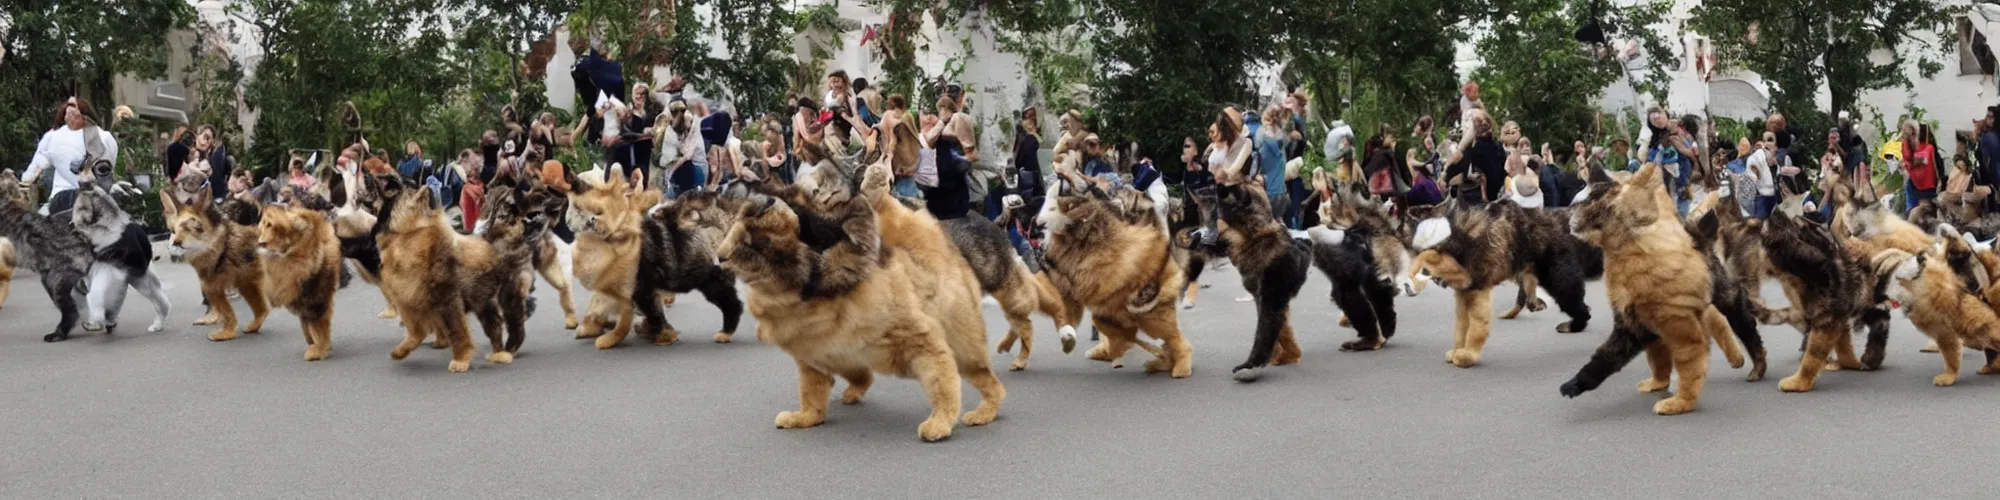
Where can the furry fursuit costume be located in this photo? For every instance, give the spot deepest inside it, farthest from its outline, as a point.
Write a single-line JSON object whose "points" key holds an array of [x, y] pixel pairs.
{"points": [[301, 261], [628, 259], [1938, 303], [59, 254], [1273, 266], [354, 223], [981, 243], [1100, 258], [420, 265], [223, 252], [1836, 289], [878, 325], [8, 259], [1729, 292], [1471, 250], [1361, 250], [1659, 308], [874, 247], [493, 273], [1184, 223], [123, 257]]}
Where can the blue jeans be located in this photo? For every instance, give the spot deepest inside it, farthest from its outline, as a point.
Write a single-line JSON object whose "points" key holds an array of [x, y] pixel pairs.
{"points": [[1765, 205], [1297, 188], [906, 187], [1909, 196]]}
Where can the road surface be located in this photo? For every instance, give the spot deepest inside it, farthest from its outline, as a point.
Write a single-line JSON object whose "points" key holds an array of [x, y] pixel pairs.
{"points": [[173, 415]]}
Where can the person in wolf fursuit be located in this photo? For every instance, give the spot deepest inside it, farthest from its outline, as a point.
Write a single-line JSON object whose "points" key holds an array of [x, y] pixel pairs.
{"points": [[1659, 307], [1360, 249], [56, 252], [1273, 266]]}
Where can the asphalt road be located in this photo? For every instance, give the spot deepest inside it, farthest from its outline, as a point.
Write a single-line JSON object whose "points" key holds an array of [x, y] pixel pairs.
{"points": [[173, 415]]}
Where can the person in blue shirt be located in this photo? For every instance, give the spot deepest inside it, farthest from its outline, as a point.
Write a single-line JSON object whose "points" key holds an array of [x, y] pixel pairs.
{"points": [[413, 164], [1270, 151]]}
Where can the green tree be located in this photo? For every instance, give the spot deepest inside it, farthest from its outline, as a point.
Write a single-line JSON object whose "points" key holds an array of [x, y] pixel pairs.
{"points": [[1798, 45], [390, 57], [1536, 73], [56, 49]]}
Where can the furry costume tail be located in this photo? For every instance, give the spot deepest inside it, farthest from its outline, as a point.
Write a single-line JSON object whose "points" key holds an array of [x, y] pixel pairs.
{"points": [[1627, 340]]}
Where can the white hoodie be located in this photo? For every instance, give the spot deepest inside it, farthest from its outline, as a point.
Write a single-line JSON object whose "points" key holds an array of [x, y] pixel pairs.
{"points": [[1759, 165]]}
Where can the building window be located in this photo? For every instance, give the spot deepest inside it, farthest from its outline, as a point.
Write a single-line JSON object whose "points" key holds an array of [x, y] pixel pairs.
{"points": [[1975, 57]]}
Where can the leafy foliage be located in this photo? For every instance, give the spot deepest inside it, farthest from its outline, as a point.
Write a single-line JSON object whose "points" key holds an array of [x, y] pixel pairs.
{"points": [[1536, 73], [55, 49], [1797, 45]]}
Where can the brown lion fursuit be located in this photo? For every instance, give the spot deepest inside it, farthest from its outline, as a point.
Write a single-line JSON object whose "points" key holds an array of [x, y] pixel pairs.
{"points": [[1658, 306], [301, 270], [909, 314], [224, 255]]}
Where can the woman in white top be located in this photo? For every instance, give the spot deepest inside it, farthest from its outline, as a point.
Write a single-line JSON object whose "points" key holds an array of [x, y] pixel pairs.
{"points": [[63, 150], [1524, 186]]}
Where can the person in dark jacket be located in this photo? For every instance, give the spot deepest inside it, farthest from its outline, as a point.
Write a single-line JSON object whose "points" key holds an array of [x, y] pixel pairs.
{"points": [[412, 166], [208, 143], [177, 153], [951, 198]]}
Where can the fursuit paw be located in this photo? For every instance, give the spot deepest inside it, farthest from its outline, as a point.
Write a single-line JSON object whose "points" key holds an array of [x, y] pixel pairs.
{"points": [[1102, 352], [1462, 358], [1345, 322], [1247, 373], [1537, 305], [799, 419], [1573, 388], [1363, 344], [1511, 313], [1651, 385], [457, 366], [401, 352], [387, 313], [1757, 367], [208, 319], [316, 353], [1673, 406], [981, 416], [1931, 347], [607, 342], [1571, 326], [1795, 384], [55, 337], [853, 395], [1944, 379], [222, 335], [723, 337], [1187, 304], [1006, 344], [1289, 357], [1988, 369], [1068, 337], [935, 429], [1019, 364], [92, 326], [500, 358], [159, 325], [569, 322], [667, 337]]}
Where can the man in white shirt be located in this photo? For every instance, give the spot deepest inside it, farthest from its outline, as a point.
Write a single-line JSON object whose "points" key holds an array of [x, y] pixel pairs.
{"points": [[1759, 166], [63, 150]]}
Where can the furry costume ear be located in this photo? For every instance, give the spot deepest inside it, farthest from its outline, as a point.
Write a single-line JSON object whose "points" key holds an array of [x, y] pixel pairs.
{"points": [[168, 206]]}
